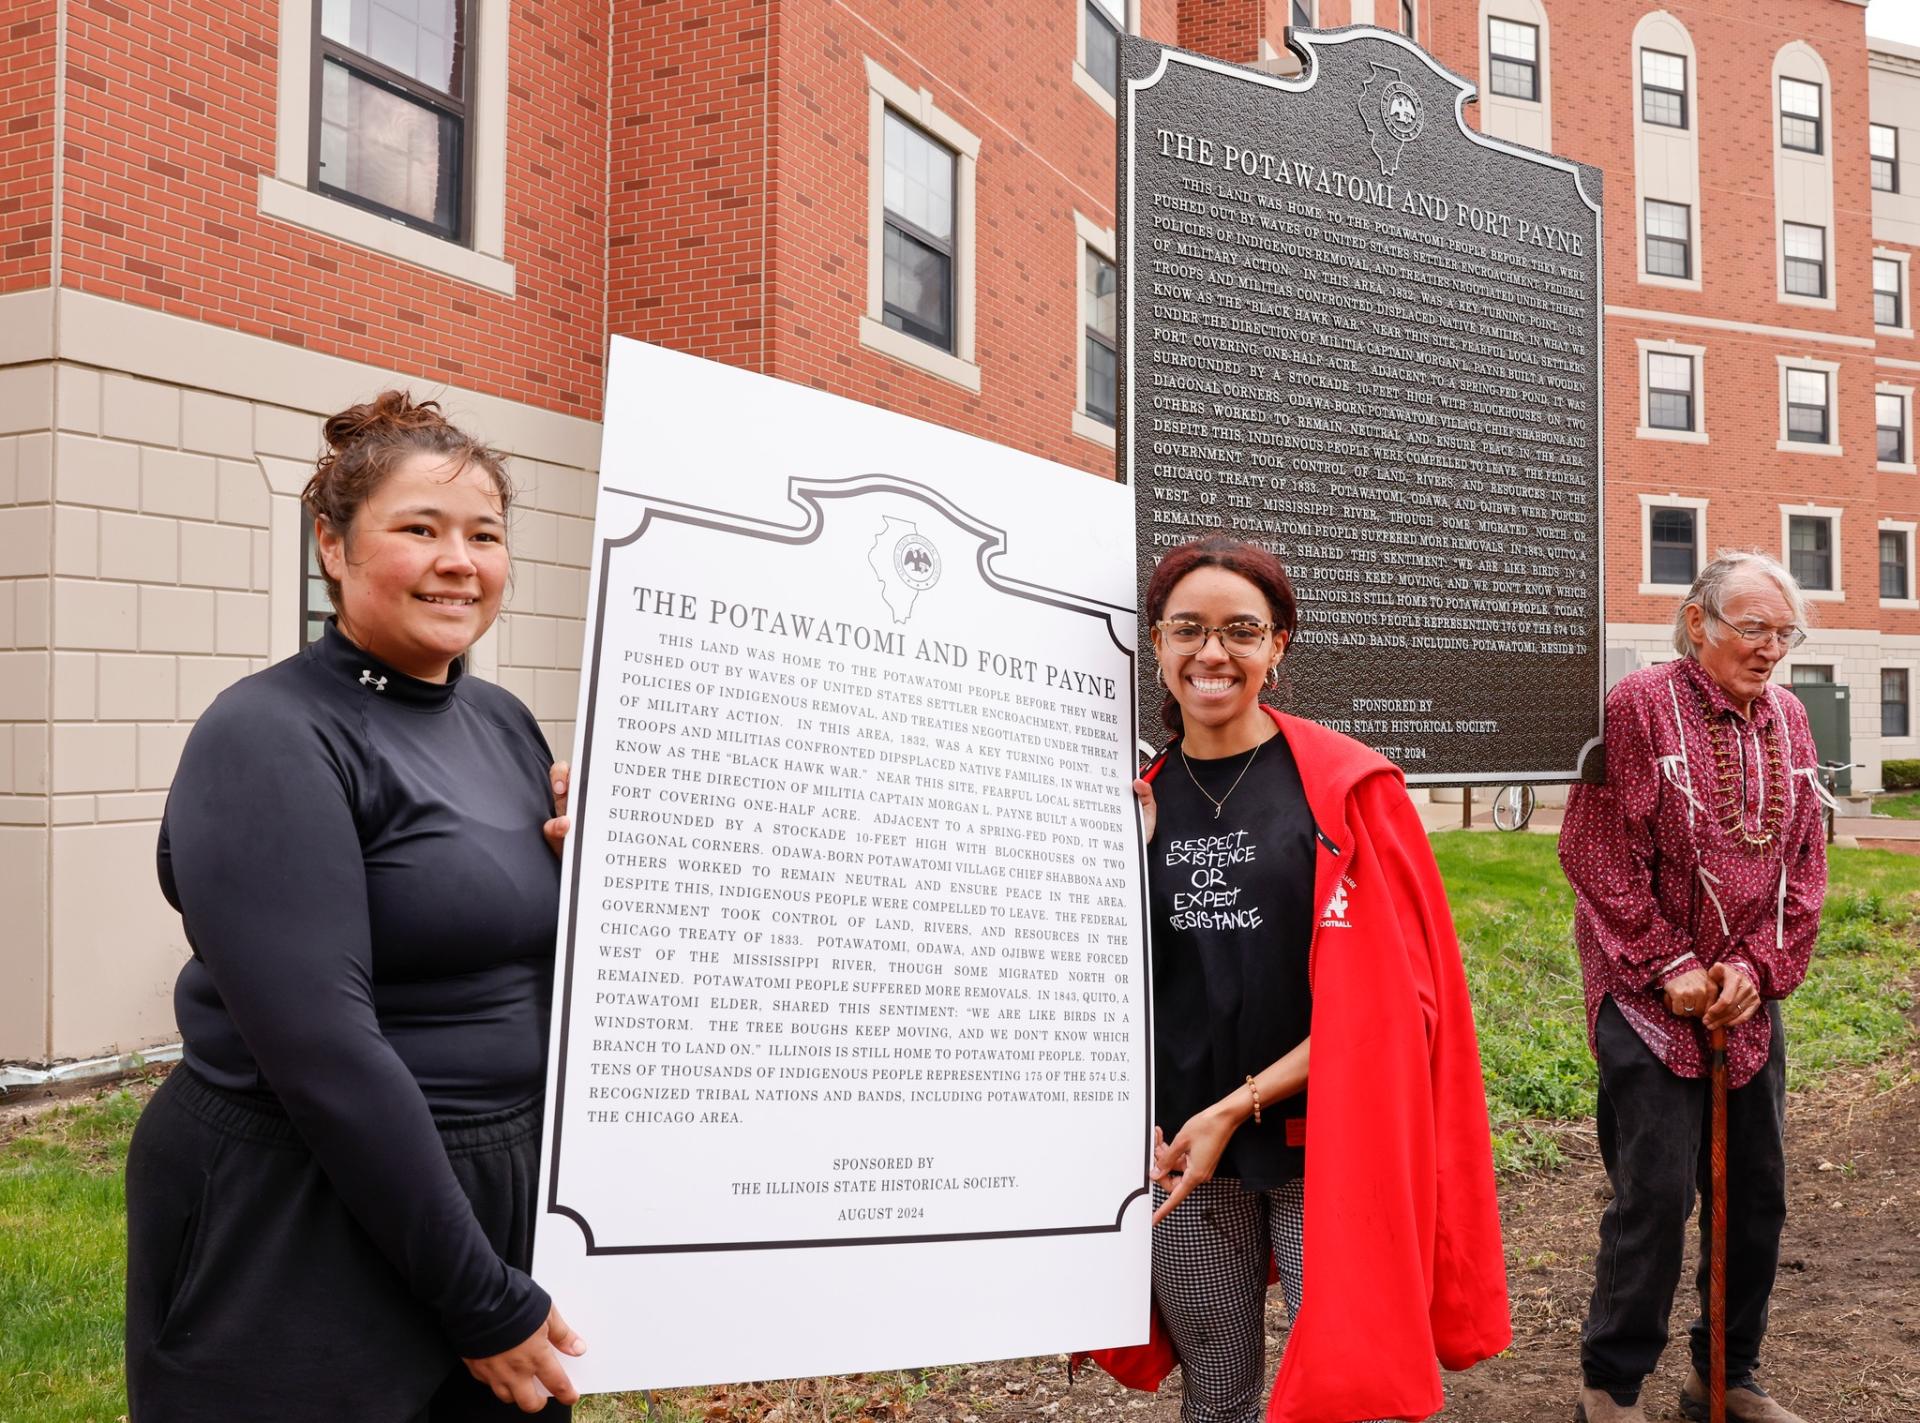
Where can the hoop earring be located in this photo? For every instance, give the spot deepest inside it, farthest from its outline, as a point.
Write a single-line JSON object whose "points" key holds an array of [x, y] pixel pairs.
{"points": [[1160, 676], [1273, 676]]}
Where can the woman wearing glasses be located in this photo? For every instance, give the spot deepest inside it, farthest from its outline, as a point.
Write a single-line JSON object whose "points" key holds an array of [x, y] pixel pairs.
{"points": [[1698, 871], [1297, 914]]}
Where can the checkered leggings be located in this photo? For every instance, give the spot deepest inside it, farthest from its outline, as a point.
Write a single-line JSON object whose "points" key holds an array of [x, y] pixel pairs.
{"points": [[1210, 1286]]}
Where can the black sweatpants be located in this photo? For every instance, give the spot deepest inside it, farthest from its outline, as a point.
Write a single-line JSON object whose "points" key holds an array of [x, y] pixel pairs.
{"points": [[1655, 1140], [254, 1297]]}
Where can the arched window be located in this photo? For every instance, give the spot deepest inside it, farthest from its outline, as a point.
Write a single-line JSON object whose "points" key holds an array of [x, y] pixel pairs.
{"points": [[1666, 153]]}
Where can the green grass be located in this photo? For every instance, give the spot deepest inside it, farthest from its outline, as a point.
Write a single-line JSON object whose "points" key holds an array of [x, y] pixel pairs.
{"points": [[63, 1237], [1902, 807], [1514, 914], [63, 1243]]}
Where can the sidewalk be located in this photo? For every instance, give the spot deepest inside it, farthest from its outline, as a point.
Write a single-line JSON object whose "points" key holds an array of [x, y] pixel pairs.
{"points": [[1870, 832]]}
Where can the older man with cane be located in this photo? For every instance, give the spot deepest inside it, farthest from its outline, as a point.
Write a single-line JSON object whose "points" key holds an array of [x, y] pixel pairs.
{"points": [[1698, 870]]}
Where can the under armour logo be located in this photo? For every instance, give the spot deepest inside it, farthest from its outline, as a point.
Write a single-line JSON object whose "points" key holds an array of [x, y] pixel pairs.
{"points": [[367, 679]]}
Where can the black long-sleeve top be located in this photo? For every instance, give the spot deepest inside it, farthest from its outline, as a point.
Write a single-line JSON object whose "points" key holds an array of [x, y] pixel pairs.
{"points": [[358, 859]]}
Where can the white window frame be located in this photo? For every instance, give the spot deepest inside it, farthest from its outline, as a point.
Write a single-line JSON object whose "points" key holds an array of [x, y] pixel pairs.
{"points": [[1698, 434], [1904, 393], [1822, 118], [1650, 502], [1899, 664], [1528, 121], [1789, 512], [1082, 76], [1666, 161], [1825, 295], [1901, 260], [1873, 158], [1101, 240], [285, 196], [1912, 600], [884, 92], [1803, 181], [1807, 447]]}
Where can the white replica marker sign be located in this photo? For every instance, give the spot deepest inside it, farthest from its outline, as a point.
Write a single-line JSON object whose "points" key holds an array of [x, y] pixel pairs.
{"points": [[850, 1063]]}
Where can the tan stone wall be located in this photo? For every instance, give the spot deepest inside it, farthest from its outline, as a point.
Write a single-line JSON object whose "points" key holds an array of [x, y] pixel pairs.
{"points": [[150, 556]]}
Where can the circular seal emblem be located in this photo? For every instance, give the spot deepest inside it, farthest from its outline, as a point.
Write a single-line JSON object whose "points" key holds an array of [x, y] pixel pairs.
{"points": [[917, 562], [1400, 109]]}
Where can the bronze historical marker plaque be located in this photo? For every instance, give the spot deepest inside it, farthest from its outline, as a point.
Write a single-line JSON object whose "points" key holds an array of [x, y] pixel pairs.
{"points": [[1363, 334]]}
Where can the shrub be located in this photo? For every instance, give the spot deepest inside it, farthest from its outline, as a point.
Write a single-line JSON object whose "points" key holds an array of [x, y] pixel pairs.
{"points": [[1900, 775]]}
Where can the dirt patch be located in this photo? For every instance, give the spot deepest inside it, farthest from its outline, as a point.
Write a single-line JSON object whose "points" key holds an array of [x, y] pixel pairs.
{"points": [[21, 1107], [1844, 1345]]}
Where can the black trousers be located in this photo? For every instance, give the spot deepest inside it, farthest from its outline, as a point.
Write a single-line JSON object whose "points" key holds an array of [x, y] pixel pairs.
{"points": [[1654, 1138], [254, 1297]]}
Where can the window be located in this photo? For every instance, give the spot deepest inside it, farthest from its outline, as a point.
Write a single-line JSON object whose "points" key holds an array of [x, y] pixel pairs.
{"points": [[315, 606], [1302, 14], [1893, 564], [1890, 429], [1669, 393], [917, 272], [1883, 145], [391, 125], [1097, 298], [1515, 52], [1810, 674], [1893, 702], [1669, 239], [1406, 18], [1810, 551], [923, 170], [1807, 407], [1672, 546], [1886, 292], [1806, 249], [1800, 115], [1103, 47], [1663, 88]]}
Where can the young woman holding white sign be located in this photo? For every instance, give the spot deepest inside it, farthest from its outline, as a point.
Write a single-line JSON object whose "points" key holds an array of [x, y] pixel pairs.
{"points": [[1300, 936], [330, 1201]]}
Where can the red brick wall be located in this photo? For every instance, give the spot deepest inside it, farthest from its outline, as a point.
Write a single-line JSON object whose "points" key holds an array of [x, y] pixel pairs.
{"points": [[27, 35], [170, 123], [1739, 470], [691, 148], [1046, 149], [1160, 20], [1227, 29]]}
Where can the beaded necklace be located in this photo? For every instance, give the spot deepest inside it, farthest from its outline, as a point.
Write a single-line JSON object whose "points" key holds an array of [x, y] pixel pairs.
{"points": [[1729, 792]]}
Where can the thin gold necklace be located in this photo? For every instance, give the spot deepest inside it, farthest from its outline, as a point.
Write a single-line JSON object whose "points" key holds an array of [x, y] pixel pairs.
{"points": [[1220, 804]]}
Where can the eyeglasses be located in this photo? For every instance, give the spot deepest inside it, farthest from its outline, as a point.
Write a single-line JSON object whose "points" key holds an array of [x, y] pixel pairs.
{"points": [[1754, 635], [1241, 639]]}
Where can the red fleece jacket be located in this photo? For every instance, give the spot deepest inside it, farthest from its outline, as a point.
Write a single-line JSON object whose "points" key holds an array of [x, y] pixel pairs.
{"points": [[1403, 1264]]}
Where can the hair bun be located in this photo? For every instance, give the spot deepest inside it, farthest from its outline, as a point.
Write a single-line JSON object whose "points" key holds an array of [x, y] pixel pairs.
{"points": [[387, 413]]}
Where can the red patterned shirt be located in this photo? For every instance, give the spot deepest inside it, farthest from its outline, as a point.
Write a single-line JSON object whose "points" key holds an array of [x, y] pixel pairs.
{"points": [[1664, 883]]}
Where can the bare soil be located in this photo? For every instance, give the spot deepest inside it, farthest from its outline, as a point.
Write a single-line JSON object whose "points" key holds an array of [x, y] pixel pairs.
{"points": [[1844, 1342]]}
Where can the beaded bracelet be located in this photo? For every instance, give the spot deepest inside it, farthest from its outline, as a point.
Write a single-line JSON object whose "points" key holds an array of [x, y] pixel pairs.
{"points": [[1254, 1087]]}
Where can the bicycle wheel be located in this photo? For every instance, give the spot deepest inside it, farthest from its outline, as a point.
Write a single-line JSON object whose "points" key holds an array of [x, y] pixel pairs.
{"points": [[1512, 807]]}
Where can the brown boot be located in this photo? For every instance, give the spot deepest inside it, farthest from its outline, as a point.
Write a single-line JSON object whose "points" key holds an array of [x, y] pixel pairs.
{"points": [[1751, 1404], [1596, 1405]]}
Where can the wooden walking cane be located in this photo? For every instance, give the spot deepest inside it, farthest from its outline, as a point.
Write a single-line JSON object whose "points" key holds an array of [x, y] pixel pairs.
{"points": [[1717, 1237]]}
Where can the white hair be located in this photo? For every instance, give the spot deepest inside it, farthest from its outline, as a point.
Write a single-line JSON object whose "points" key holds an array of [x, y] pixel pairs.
{"points": [[1733, 569]]}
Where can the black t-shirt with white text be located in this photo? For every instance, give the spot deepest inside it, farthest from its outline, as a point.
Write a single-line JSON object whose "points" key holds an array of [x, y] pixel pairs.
{"points": [[1231, 900]]}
